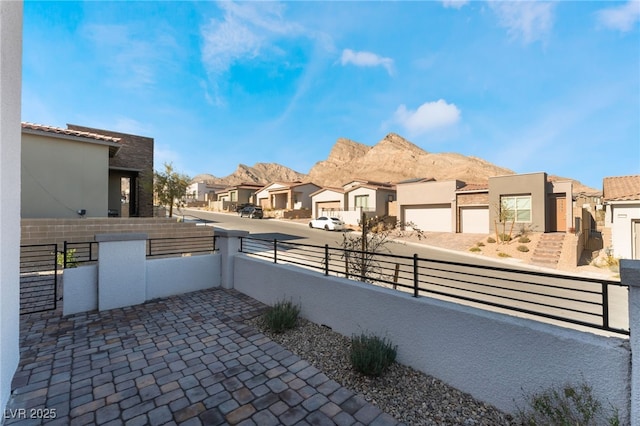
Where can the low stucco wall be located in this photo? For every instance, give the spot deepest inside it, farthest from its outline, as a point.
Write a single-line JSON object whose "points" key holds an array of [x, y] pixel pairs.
{"points": [[164, 277], [177, 275], [496, 358]]}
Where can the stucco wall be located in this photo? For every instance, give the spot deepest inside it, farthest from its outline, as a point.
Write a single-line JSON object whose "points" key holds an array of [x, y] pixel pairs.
{"points": [[421, 193], [324, 196], [621, 228], [61, 176], [534, 184], [10, 93], [496, 358]]}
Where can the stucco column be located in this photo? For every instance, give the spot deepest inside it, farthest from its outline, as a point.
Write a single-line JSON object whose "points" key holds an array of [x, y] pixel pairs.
{"points": [[228, 242], [630, 275], [122, 270]]}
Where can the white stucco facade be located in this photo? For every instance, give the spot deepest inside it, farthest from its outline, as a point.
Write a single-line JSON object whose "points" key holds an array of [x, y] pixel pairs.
{"points": [[10, 96], [623, 217]]}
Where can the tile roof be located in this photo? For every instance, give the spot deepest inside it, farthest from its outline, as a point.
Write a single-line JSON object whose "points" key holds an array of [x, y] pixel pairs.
{"points": [[68, 132], [621, 188]]}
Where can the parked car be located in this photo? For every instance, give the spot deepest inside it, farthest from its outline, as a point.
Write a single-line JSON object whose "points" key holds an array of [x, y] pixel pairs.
{"points": [[327, 223], [252, 212], [240, 207]]}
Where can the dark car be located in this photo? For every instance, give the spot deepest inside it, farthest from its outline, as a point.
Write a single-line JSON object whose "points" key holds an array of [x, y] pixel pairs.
{"points": [[251, 212], [240, 207]]}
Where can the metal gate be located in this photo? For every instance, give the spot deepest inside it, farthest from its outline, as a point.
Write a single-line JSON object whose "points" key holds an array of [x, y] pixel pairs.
{"points": [[38, 278]]}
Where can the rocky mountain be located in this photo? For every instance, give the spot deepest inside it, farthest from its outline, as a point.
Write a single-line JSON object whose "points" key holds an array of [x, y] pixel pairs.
{"points": [[259, 173], [392, 159], [395, 159]]}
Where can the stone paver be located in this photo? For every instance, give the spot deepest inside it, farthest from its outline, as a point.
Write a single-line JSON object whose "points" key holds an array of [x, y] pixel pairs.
{"points": [[186, 360]]}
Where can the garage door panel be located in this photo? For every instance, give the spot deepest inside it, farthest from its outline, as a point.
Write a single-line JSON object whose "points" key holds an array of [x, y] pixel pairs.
{"points": [[436, 218], [474, 220]]}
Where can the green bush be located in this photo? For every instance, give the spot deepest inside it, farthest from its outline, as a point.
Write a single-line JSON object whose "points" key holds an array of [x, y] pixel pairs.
{"points": [[480, 244], [282, 316], [504, 237], [567, 405], [475, 249], [72, 262], [524, 239], [523, 249], [371, 355], [503, 254], [491, 240]]}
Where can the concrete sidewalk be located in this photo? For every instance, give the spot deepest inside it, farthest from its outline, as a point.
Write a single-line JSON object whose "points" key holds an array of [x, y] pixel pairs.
{"points": [[183, 360]]}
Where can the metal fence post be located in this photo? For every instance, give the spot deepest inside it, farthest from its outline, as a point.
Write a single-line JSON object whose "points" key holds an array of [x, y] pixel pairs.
{"points": [[326, 259], [605, 306], [64, 255], [415, 275], [275, 251]]}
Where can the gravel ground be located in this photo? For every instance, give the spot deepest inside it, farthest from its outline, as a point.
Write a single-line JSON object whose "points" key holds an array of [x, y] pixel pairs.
{"points": [[410, 396]]}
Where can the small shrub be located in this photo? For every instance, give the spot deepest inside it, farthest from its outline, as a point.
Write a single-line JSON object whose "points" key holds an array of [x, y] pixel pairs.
{"points": [[523, 249], [524, 239], [503, 254], [72, 262], [475, 249], [371, 355], [504, 237], [480, 244], [491, 240], [566, 405], [282, 316]]}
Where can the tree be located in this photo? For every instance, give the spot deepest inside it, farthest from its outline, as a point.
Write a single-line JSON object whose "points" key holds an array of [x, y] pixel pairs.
{"points": [[170, 187], [361, 250]]}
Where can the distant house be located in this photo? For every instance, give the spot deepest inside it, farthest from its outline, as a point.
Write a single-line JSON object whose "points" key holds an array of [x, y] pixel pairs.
{"points": [[202, 191], [326, 201], [78, 171], [621, 195], [230, 197], [532, 200], [286, 195]]}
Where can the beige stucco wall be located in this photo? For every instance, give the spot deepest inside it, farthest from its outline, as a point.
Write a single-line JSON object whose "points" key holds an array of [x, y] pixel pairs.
{"points": [[61, 176], [324, 196], [421, 193], [533, 184]]}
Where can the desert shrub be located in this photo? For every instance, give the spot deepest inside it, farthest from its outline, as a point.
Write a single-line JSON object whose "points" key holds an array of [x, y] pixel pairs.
{"points": [[480, 244], [524, 239], [503, 254], [523, 249], [504, 237], [282, 316], [371, 355], [475, 249], [565, 405], [491, 240]]}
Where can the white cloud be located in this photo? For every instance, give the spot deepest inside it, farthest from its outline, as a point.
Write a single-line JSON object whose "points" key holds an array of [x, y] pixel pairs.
{"points": [[531, 21], [429, 116], [366, 59], [245, 32], [456, 4], [621, 18]]}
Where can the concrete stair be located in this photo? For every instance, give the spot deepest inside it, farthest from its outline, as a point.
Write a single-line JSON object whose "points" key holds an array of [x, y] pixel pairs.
{"points": [[548, 250]]}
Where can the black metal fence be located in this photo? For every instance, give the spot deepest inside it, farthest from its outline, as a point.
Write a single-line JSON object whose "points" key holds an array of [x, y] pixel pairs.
{"points": [[75, 254], [180, 246], [582, 301], [38, 278]]}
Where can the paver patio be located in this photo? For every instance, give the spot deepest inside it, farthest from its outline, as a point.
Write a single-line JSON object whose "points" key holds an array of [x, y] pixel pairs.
{"points": [[187, 360]]}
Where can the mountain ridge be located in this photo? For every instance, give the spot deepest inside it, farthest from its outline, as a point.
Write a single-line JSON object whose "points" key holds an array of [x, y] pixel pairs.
{"points": [[392, 159]]}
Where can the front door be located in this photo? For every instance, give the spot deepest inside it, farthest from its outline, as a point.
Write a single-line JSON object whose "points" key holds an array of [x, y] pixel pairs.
{"points": [[559, 214]]}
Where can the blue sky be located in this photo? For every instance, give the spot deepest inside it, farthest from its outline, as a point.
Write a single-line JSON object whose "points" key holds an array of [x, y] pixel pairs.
{"points": [[531, 86]]}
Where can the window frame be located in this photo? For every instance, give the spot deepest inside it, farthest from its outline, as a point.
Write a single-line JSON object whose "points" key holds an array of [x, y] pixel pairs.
{"points": [[517, 212]]}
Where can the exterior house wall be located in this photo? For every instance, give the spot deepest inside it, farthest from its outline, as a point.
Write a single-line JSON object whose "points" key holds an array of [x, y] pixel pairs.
{"points": [[563, 189], [352, 194], [473, 199], [383, 197], [10, 182], [426, 194], [301, 196], [262, 197], [534, 184], [136, 156], [623, 215], [62, 176]]}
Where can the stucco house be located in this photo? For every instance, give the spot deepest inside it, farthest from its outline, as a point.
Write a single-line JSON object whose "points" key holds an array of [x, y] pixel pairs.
{"points": [[327, 201], [230, 197], [286, 195], [621, 195], [535, 202], [79, 171], [201, 191]]}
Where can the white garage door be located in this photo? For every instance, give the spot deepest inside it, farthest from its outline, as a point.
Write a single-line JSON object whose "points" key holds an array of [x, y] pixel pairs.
{"points": [[435, 218], [474, 220]]}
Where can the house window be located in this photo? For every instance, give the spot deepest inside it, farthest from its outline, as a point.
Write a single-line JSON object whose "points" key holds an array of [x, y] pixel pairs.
{"points": [[516, 207], [234, 196], [361, 201]]}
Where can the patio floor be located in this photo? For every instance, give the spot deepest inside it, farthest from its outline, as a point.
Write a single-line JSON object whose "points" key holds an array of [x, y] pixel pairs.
{"points": [[187, 360]]}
